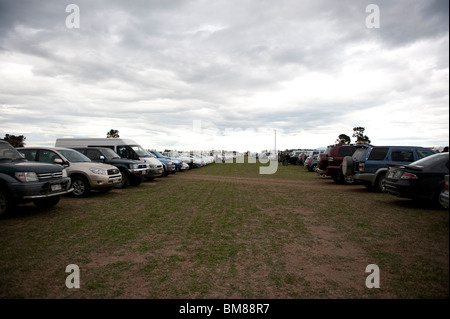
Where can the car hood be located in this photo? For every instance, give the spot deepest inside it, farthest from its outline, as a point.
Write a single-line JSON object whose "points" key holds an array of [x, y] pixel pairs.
{"points": [[25, 166], [151, 160], [126, 161], [88, 165]]}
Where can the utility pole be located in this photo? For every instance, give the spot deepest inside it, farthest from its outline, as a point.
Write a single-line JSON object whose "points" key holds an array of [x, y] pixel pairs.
{"points": [[276, 143]]}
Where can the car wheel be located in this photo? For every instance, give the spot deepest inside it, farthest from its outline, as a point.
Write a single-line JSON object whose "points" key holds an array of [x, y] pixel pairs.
{"points": [[439, 203], [125, 181], [379, 185], [6, 202], [81, 187], [47, 202], [348, 180]]}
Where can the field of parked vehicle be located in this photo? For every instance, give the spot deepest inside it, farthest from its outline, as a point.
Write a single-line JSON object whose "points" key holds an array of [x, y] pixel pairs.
{"points": [[225, 231]]}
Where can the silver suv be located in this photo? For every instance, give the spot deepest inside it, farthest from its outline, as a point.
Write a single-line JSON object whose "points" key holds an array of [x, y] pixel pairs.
{"points": [[85, 174]]}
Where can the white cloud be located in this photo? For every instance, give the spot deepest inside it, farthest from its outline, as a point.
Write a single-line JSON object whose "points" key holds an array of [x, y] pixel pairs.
{"points": [[310, 70]]}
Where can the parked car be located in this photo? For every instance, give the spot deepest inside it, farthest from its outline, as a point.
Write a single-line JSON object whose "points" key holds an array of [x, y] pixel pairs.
{"points": [[311, 163], [84, 173], [170, 164], [133, 171], [22, 181], [126, 148], [443, 198], [330, 162], [369, 165], [422, 179]]}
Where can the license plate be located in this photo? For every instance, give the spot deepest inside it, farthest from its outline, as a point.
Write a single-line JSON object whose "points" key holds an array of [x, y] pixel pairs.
{"points": [[55, 187], [391, 174]]}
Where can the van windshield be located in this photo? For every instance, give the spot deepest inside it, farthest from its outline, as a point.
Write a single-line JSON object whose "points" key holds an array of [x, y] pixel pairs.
{"points": [[140, 151]]}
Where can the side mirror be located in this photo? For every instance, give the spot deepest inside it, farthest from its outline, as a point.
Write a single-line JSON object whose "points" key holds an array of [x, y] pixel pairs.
{"points": [[60, 162]]}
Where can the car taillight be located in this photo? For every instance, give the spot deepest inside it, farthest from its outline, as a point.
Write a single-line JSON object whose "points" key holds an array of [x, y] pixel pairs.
{"points": [[310, 160], [408, 176], [446, 185], [361, 166]]}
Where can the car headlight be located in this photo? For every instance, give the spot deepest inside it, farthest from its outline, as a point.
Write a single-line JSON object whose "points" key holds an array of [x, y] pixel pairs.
{"points": [[27, 176], [134, 166], [64, 173], [98, 171]]}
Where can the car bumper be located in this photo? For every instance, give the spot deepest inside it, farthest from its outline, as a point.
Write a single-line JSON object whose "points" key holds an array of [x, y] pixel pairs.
{"points": [[155, 172], [333, 171], [100, 181], [36, 190], [405, 189], [364, 177]]}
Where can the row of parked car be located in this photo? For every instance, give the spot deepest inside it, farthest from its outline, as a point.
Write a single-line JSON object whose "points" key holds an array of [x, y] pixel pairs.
{"points": [[78, 166], [404, 171]]}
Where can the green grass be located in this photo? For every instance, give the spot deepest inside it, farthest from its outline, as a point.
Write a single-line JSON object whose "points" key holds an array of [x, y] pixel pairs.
{"points": [[225, 231]]}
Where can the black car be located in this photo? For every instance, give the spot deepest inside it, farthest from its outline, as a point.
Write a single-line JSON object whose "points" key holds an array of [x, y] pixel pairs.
{"points": [[422, 179]]}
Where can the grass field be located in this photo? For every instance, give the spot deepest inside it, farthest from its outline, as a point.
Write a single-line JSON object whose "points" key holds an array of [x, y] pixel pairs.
{"points": [[224, 231]]}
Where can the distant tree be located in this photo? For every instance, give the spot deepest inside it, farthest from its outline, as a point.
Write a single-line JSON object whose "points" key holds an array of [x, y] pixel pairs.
{"points": [[358, 132], [113, 134], [343, 139], [16, 141]]}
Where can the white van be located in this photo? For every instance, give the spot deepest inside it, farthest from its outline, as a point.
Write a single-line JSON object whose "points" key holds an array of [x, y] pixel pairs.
{"points": [[126, 148]]}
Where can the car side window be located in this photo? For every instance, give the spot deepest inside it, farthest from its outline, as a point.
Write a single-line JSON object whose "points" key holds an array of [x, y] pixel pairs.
{"points": [[93, 154], [378, 153], [402, 156], [46, 156], [346, 151], [30, 155], [424, 153]]}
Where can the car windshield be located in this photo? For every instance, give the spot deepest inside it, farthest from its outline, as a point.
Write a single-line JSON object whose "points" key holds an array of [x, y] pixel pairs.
{"points": [[359, 153], [110, 154], [158, 154], [74, 156], [7, 152]]}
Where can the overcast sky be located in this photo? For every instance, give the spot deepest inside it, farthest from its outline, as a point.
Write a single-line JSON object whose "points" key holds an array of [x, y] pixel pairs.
{"points": [[225, 74]]}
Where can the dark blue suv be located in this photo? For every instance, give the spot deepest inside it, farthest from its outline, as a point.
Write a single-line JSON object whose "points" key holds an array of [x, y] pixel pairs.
{"points": [[369, 165]]}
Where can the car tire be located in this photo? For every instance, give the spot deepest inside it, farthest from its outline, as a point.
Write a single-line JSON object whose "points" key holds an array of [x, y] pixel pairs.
{"points": [[347, 180], [47, 202], [6, 202], [125, 181], [379, 184], [437, 199], [347, 166], [81, 187]]}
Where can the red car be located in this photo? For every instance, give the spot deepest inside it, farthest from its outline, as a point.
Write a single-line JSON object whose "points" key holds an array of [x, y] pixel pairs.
{"points": [[330, 162]]}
